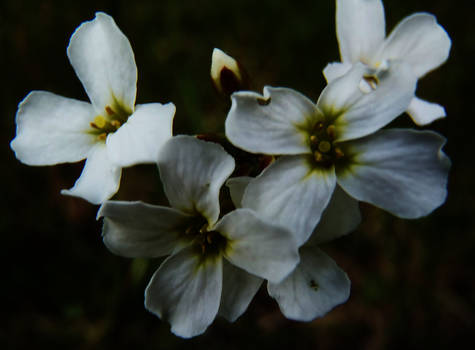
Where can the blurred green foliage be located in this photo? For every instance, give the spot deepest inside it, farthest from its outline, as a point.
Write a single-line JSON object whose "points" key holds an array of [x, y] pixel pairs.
{"points": [[412, 281]]}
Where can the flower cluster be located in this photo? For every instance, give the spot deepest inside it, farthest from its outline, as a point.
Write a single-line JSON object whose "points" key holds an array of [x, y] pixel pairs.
{"points": [[311, 165]]}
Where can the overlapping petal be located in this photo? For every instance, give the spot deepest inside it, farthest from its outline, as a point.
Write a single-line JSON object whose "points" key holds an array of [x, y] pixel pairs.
{"points": [[52, 129], [291, 194], [420, 41], [268, 123], [374, 109], [99, 179], [402, 171], [186, 292], [140, 139], [315, 287], [239, 287], [360, 28], [192, 173], [136, 229], [335, 70], [341, 216], [424, 112], [103, 60], [258, 246], [237, 186]]}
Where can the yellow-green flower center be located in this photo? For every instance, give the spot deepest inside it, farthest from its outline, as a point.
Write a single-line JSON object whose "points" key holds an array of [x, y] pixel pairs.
{"points": [[110, 121], [321, 139], [207, 243]]}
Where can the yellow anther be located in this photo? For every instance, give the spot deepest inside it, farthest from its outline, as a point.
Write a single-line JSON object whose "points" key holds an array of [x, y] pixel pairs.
{"points": [[313, 140], [319, 126], [324, 146], [318, 156], [338, 153], [372, 81], [99, 122], [331, 131], [109, 110], [102, 136], [115, 124]]}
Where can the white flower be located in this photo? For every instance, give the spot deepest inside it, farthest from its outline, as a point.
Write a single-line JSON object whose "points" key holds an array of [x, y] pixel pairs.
{"points": [[195, 283], [417, 40], [317, 284], [336, 141], [110, 131]]}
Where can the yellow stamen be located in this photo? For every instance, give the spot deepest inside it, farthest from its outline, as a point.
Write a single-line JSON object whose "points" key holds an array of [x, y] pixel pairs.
{"points": [[102, 136], [338, 153], [318, 156], [99, 122], [324, 146], [109, 110], [115, 124], [331, 131], [313, 140]]}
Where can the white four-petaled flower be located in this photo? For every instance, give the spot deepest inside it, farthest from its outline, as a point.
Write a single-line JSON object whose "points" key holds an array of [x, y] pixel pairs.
{"points": [[111, 132], [417, 40], [214, 265], [336, 141]]}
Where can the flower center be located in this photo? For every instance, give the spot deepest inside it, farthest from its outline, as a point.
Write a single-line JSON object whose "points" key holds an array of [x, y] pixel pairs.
{"points": [[207, 243], [110, 121], [321, 140]]}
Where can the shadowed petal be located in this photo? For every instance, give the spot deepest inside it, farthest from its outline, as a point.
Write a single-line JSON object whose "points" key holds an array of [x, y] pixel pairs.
{"points": [[185, 292], [192, 173], [315, 287], [136, 229], [258, 246], [402, 171], [239, 287], [288, 193], [267, 124]]}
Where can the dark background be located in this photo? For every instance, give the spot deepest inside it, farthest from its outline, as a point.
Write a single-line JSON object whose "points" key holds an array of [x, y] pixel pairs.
{"points": [[412, 280]]}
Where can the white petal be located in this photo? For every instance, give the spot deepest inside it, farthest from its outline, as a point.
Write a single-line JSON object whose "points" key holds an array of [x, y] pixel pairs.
{"points": [[373, 110], [402, 171], [140, 139], [99, 179], [419, 40], [424, 112], [267, 124], [360, 28], [239, 287], [341, 216], [237, 186], [192, 173], [339, 95], [52, 129], [185, 293], [315, 287], [335, 70], [288, 193], [136, 229], [257, 246], [104, 61]]}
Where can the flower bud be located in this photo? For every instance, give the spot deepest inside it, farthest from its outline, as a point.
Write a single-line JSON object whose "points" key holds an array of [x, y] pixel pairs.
{"points": [[227, 74]]}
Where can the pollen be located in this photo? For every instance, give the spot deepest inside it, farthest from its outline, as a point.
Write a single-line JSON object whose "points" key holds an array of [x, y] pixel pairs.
{"points": [[99, 122]]}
